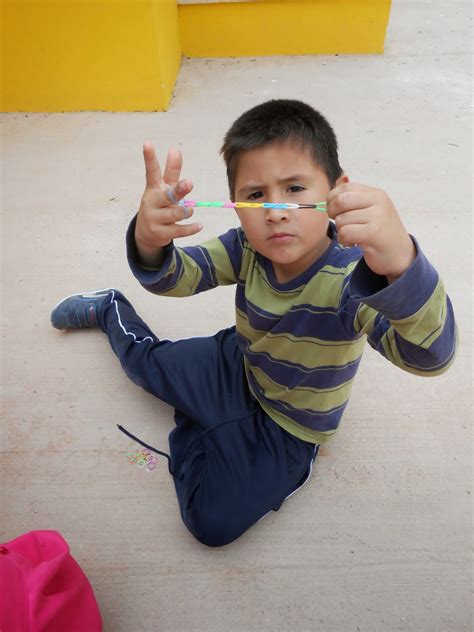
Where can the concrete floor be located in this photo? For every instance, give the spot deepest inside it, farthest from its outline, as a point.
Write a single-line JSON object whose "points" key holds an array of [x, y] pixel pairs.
{"points": [[379, 539]]}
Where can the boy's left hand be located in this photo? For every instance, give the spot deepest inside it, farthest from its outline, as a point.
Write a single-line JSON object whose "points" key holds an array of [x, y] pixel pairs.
{"points": [[366, 217]]}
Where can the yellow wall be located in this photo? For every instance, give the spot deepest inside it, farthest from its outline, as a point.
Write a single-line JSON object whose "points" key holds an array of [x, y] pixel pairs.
{"points": [[124, 55], [284, 27], [69, 55]]}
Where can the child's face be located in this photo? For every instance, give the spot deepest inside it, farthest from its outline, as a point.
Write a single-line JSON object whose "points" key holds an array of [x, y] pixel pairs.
{"points": [[283, 172]]}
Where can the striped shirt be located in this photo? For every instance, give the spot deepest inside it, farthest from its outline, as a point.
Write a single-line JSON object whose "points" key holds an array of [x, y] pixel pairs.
{"points": [[303, 340]]}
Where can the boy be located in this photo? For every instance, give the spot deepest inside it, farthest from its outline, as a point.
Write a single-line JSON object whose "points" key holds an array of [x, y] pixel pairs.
{"points": [[253, 403]]}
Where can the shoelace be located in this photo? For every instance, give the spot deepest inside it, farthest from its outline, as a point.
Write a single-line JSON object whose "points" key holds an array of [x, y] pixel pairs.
{"points": [[146, 445]]}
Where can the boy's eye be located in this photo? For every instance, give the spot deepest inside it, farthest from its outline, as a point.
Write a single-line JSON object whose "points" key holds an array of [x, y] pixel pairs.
{"points": [[295, 188], [255, 195]]}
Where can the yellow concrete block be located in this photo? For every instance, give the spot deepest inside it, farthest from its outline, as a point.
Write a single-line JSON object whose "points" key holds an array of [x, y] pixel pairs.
{"points": [[285, 27], [66, 55]]}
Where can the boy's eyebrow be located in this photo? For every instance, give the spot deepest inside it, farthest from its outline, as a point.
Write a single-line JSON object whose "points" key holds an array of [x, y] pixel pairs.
{"points": [[298, 176]]}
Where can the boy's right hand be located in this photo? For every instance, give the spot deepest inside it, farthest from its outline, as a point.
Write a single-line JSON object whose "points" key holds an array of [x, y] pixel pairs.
{"points": [[156, 225]]}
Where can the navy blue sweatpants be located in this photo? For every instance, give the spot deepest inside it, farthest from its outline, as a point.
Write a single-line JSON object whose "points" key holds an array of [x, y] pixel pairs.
{"points": [[231, 463]]}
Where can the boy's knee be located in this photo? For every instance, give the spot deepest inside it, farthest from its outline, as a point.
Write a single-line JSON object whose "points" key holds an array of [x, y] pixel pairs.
{"points": [[212, 529]]}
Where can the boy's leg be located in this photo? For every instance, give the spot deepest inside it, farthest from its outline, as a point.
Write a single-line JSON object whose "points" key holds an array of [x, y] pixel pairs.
{"points": [[231, 463], [189, 374], [234, 474]]}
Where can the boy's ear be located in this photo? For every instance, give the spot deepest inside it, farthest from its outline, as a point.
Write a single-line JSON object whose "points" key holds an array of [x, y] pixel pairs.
{"points": [[342, 179]]}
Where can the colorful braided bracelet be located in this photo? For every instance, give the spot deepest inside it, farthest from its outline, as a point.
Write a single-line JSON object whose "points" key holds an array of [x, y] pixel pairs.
{"points": [[318, 206]]}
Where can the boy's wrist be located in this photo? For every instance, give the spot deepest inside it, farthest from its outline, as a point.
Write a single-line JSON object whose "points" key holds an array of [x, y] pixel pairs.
{"points": [[149, 256], [400, 300], [406, 259]]}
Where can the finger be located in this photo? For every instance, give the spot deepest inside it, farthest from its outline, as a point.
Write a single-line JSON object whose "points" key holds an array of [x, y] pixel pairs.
{"points": [[346, 201], [175, 231], [176, 193], [353, 235], [152, 166], [360, 216], [173, 214], [346, 187], [163, 198], [173, 166], [186, 230]]}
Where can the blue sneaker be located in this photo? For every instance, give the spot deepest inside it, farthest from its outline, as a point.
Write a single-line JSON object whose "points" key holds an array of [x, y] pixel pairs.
{"points": [[79, 311]]}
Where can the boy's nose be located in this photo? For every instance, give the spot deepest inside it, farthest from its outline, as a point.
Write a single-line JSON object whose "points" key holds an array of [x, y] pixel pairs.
{"points": [[277, 214]]}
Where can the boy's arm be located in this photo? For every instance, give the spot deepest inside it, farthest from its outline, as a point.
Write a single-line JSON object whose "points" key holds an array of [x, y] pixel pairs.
{"points": [[410, 321], [157, 264], [366, 217], [394, 295], [192, 269]]}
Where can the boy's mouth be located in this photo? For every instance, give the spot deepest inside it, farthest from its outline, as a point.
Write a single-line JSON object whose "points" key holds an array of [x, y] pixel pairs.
{"points": [[280, 237]]}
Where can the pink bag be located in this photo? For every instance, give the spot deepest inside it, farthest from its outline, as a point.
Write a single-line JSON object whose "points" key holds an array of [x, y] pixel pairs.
{"points": [[43, 588]]}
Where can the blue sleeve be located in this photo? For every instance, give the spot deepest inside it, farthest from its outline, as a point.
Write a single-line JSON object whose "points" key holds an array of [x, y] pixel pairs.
{"points": [[411, 321], [192, 269]]}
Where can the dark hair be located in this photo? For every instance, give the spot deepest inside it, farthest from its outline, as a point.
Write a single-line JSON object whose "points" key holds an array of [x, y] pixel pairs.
{"points": [[282, 120]]}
